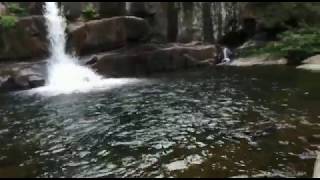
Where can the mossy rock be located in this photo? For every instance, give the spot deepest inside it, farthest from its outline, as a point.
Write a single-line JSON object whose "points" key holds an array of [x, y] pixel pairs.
{"points": [[27, 40]]}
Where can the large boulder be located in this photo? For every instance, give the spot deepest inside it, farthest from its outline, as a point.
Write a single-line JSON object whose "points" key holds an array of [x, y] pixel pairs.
{"points": [[147, 59], [107, 34], [26, 40]]}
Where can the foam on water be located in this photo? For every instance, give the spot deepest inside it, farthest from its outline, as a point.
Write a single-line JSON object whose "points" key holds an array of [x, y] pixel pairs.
{"points": [[80, 87]]}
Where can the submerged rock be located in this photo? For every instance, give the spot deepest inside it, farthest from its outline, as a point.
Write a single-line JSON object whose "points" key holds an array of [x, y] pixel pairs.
{"points": [[259, 60], [107, 34], [92, 60], [148, 59]]}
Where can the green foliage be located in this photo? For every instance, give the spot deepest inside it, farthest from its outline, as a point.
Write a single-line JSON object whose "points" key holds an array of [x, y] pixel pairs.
{"points": [[8, 21], [294, 44], [89, 12], [14, 8]]}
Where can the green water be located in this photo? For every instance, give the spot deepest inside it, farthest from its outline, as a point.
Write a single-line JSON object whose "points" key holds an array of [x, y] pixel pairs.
{"points": [[224, 122]]}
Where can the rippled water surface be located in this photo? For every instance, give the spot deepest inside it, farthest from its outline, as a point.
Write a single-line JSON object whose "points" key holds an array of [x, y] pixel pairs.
{"points": [[225, 122]]}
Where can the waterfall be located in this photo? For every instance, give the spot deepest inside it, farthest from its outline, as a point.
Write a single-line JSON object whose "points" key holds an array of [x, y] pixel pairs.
{"points": [[63, 69], [65, 74]]}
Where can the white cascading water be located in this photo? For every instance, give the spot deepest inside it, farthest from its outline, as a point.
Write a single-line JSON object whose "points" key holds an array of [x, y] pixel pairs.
{"points": [[63, 69], [65, 74]]}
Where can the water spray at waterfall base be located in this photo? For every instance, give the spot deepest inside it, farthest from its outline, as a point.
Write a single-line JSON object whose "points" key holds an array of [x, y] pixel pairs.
{"points": [[65, 74]]}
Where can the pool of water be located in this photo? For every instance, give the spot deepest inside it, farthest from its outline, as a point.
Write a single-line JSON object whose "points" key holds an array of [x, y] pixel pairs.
{"points": [[223, 122]]}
